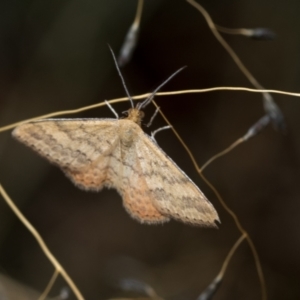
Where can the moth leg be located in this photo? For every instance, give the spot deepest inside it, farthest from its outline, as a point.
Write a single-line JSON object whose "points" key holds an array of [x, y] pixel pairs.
{"points": [[112, 109], [153, 116], [158, 130]]}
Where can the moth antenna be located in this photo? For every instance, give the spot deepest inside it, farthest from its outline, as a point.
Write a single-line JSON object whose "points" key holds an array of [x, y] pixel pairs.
{"points": [[149, 99], [120, 74]]}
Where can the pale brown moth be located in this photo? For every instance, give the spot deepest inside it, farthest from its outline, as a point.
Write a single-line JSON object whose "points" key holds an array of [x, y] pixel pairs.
{"points": [[116, 153]]}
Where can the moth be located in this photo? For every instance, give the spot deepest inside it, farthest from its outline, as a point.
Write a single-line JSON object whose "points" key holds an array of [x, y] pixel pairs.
{"points": [[116, 153]]}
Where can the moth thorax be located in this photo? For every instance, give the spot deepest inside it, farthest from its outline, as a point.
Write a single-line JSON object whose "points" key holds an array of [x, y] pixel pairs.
{"points": [[128, 135], [135, 115]]}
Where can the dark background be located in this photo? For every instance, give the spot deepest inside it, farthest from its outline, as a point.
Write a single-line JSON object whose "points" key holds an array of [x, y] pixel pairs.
{"points": [[54, 56]]}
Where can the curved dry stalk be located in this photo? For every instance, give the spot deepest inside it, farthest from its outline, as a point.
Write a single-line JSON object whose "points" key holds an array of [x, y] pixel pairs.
{"points": [[229, 256], [269, 104], [212, 288], [58, 267], [117, 100], [225, 206], [244, 232], [227, 150], [252, 131], [49, 285], [225, 45]]}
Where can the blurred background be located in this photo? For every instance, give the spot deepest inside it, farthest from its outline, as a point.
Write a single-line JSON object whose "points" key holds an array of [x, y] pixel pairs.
{"points": [[54, 56]]}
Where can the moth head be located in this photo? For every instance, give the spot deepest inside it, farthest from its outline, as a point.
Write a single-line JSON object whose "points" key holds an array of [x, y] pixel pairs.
{"points": [[135, 115]]}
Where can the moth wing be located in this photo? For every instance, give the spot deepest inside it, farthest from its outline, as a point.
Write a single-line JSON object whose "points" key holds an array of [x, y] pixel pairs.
{"points": [[173, 192], [81, 147], [137, 199]]}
